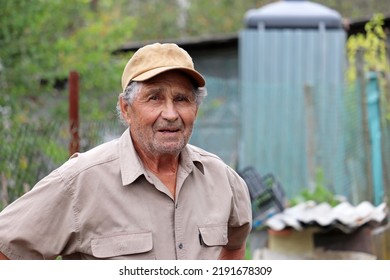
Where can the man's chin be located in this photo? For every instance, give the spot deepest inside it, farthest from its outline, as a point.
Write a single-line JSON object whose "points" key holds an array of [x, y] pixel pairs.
{"points": [[170, 148]]}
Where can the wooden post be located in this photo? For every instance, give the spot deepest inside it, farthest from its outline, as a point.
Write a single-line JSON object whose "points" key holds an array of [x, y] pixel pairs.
{"points": [[310, 136], [384, 101], [366, 134], [74, 143]]}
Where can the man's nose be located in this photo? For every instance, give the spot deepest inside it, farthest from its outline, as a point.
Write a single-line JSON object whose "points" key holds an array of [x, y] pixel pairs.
{"points": [[169, 111]]}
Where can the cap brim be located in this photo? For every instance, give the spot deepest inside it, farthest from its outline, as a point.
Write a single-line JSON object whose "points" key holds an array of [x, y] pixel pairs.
{"points": [[197, 77]]}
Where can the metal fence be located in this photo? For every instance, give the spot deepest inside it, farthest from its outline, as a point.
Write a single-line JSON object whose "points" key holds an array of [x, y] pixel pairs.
{"points": [[30, 151], [218, 128], [293, 132]]}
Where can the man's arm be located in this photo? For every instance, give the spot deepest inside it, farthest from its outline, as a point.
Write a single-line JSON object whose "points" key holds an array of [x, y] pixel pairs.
{"points": [[3, 257], [237, 254]]}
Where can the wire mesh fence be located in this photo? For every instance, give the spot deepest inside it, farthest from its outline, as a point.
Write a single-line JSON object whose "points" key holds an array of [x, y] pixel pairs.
{"points": [[31, 151]]}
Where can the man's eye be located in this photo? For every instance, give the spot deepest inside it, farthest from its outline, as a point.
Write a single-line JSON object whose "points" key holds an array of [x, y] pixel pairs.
{"points": [[153, 97], [182, 99]]}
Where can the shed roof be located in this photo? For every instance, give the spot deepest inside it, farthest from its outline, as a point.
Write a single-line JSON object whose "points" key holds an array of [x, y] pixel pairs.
{"points": [[229, 39], [190, 44], [344, 216]]}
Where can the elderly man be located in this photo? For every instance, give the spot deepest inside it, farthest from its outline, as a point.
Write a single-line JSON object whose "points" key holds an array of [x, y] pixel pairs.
{"points": [[148, 194]]}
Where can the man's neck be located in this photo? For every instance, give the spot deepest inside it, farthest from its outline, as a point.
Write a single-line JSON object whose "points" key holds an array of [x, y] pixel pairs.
{"points": [[165, 171], [163, 166]]}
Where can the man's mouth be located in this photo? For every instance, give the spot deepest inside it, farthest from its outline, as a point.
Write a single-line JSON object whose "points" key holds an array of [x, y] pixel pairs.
{"points": [[168, 130]]}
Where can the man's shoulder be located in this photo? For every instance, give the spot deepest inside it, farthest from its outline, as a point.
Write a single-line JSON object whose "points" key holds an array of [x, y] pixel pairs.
{"points": [[216, 164], [203, 153], [205, 157], [100, 155]]}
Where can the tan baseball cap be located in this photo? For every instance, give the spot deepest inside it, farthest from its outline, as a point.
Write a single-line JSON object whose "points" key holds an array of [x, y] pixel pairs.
{"points": [[157, 58]]}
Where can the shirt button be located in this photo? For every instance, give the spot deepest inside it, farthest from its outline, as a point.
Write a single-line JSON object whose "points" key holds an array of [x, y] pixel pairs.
{"points": [[180, 246]]}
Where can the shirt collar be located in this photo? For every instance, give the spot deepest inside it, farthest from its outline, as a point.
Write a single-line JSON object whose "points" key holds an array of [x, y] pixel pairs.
{"points": [[190, 159], [131, 165]]}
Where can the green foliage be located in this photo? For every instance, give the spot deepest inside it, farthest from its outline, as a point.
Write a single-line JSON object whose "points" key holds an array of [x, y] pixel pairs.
{"points": [[320, 194], [41, 42], [357, 9], [372, 49], [171, 19], [372, 45], [248, 251]]}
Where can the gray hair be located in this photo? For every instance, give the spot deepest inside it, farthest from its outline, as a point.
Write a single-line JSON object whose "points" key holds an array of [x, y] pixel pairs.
{"points": [[134, 88]]}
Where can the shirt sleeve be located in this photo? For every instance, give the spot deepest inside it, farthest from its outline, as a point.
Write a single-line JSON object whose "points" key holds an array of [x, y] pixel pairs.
{"points": [[240, 222], [39, 224]]}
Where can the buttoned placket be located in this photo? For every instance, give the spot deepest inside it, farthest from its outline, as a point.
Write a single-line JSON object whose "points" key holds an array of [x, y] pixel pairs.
{"points": [[179, 233], [181, 250]]}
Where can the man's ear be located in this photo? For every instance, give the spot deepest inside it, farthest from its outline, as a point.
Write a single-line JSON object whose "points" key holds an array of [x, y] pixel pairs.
{"points": [[124, 109]]}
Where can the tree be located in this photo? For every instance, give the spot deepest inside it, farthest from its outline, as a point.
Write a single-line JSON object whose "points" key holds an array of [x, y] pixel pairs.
{"points": [[368, 53], [373, 50], [40, 43]]}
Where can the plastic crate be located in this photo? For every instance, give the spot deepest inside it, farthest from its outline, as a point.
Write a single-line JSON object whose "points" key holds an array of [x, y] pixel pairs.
{"points": [[267, 195]]}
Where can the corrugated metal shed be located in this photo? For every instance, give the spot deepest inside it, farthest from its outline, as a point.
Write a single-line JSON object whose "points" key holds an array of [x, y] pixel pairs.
{"points": [[344, 216], [291, 102]]}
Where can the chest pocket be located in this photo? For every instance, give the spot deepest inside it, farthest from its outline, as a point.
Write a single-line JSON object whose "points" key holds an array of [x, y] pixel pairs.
{"points": [[212, 238], [213, 235], [125, 246]]}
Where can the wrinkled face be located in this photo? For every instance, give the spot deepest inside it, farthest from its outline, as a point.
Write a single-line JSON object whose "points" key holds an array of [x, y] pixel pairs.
{"points": [[163, 113]]}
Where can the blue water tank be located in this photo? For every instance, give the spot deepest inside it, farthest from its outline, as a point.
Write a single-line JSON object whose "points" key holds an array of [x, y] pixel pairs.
{"points": [[293, 14]]}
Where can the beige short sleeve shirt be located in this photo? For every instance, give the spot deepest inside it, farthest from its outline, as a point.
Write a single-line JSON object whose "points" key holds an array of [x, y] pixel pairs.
{"points": [[103, 204]]}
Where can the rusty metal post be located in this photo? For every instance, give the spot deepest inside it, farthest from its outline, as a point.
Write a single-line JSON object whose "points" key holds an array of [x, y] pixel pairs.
{"points": [[74, 143]]}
